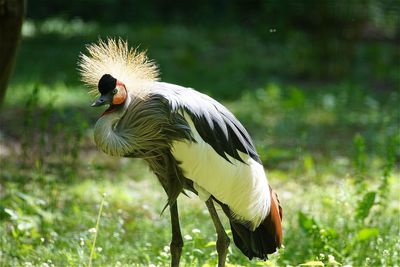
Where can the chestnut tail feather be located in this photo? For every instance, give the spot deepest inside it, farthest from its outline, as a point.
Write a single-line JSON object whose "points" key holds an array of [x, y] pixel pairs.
{"points": [[266, 238]]}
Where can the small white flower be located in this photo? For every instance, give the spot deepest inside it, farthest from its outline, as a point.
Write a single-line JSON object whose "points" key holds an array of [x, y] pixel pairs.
{"points": [[92, 230], [42, 239], [386, 252], [188, 237], [81, 242], [196, 231], [99, 249]]}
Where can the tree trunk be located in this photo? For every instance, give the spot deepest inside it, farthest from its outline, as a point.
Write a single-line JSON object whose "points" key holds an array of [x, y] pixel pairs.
{"points": [[11, 17]]}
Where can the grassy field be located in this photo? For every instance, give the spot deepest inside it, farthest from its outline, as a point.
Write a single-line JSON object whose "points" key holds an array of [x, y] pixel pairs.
{"points": [[330, 145]]}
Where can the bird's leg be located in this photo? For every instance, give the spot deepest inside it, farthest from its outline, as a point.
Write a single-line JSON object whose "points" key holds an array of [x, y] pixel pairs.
{"points": [[222, 237], [177, 241]]}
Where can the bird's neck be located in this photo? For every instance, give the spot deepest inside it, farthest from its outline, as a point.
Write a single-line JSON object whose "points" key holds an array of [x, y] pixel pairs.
{"points": [[106, 135]]}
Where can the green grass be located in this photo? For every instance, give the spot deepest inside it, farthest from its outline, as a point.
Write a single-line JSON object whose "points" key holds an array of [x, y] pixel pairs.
{"points": [[331, 150]]}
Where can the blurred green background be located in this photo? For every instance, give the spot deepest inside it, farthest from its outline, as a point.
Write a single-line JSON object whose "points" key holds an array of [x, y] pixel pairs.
{"points": [[251, 42], [316, 83]]}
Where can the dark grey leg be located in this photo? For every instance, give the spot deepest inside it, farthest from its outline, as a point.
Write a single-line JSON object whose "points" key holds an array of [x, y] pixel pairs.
{"points": [[177, 241], [222, 237]]}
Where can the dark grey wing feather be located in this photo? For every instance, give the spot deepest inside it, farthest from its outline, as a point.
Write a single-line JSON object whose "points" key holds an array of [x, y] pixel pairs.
{"points": [[212, 133], [242, 141], [235, 139]]}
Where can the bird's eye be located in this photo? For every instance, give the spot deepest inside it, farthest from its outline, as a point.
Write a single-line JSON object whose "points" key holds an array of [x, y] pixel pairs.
{"points": [[115, 91]]}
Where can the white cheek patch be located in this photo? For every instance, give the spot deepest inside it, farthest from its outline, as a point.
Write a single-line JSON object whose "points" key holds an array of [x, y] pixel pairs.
{"points": [[243, 187]]}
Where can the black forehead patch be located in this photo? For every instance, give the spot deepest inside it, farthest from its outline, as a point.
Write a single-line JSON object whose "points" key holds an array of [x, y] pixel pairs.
{"points": [[106, 84]]}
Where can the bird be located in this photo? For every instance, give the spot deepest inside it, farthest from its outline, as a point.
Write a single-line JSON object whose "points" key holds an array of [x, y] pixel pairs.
{"points": [[190, 141]]}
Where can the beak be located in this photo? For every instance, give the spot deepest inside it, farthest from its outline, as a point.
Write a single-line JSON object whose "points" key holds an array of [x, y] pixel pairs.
{"points": [[103, 100]]}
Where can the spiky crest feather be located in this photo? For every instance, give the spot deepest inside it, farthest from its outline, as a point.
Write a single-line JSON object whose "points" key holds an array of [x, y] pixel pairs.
{"points": [[114, 57]]}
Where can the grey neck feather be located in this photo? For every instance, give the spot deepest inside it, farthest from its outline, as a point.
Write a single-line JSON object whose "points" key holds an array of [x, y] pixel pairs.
{"points": [[106, 136]]}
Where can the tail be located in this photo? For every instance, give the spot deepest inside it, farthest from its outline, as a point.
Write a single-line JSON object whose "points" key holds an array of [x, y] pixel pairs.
{"points": [[266, 238]]}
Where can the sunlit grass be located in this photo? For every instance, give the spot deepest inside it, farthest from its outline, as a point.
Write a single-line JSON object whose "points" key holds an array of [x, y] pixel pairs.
{"points": [[133, 231]]}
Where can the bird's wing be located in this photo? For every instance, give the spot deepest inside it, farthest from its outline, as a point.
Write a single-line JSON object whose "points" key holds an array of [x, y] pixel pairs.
{"points": [[215, 124]]}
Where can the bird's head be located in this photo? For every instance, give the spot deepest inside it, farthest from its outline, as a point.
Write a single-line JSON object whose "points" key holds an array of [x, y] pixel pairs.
{"points": [[121, 63], [112, 92]]}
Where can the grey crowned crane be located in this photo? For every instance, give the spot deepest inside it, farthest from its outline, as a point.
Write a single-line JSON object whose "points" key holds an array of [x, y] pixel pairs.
{"points": [[190, 141]]}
